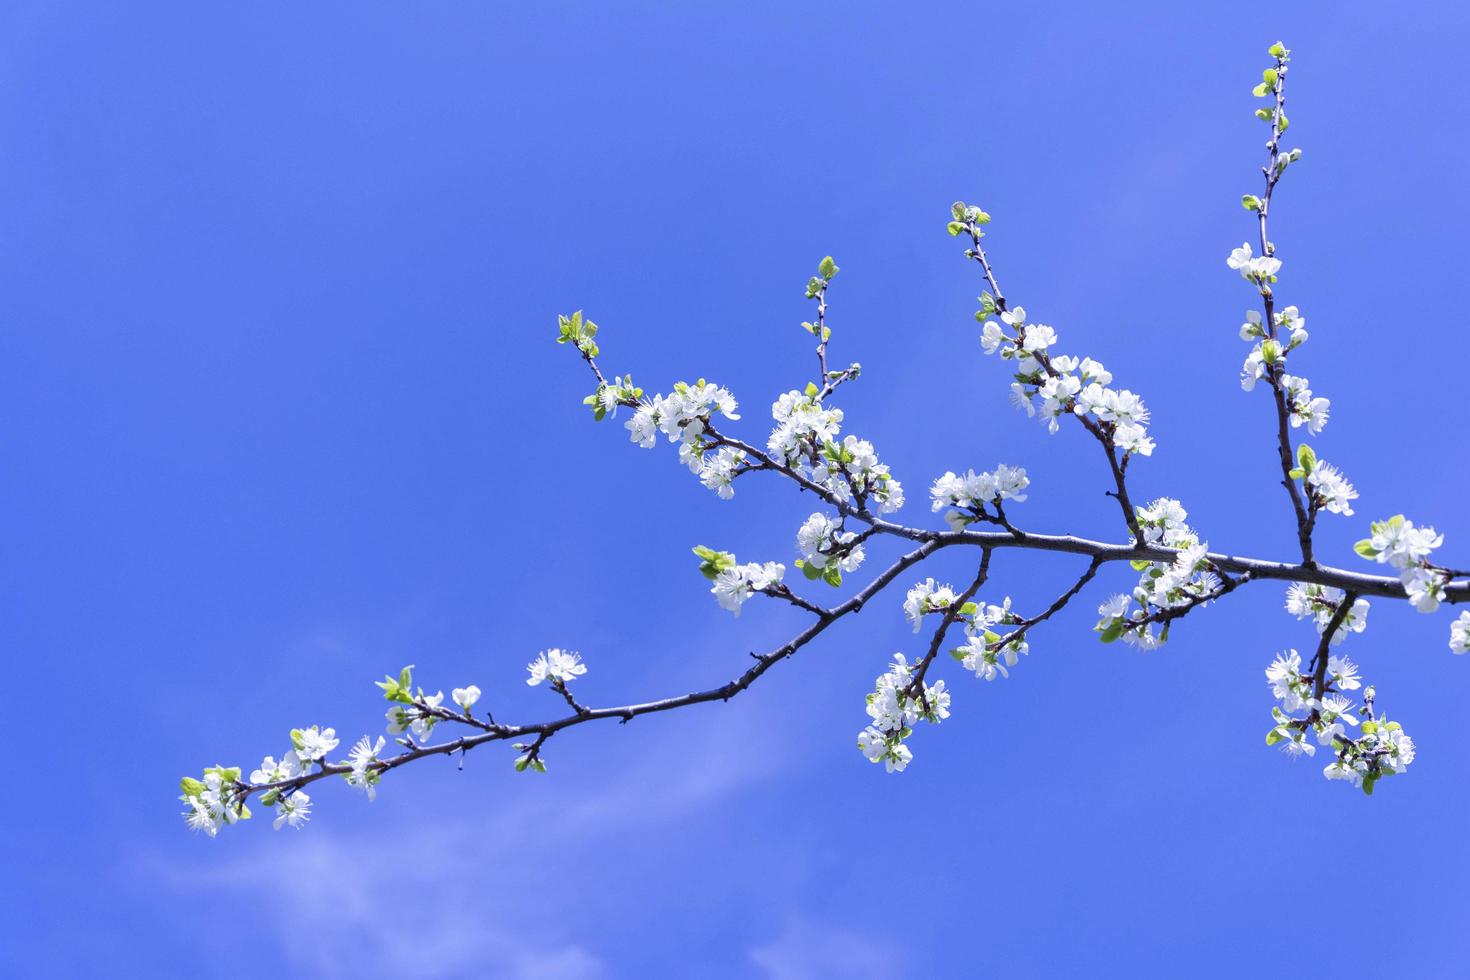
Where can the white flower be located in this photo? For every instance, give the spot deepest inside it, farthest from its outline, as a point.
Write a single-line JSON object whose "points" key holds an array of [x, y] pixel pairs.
{"points": [[1094, 371], [1425, 587], [313, 743], [1399, 543], [1460, 634], [1113, 608], [735, 585], [1163, 522], [873, 743], [1255, 269], [465, 697], [643, 426], [992, 336], [820, 540], [1321, 602], [1402, 749], [292, 808], [898, 758], [924, 598], [363, 776], [202, 815], [555, 665], [1343, 673], [717, 471], [271, 771], [1253, 370], [1134, 439], [1332, 488], [1284, 676], [1038, 336], [1251, 328], [938, 700]]}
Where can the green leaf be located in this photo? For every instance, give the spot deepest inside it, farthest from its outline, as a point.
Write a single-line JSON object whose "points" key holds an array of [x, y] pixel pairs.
{"points": [[1139, 564], [270, 797], [713, 562], [1250, 202], [1368, 782], [811, 389], [1260, 90], [958, 210], [1113, 631], [1277, 50], [808, 569], [1284, 123], [1263, 114], [969, 609], [1305, 458], [954, 228], [1270, 77], [522, 763], [1274, 736], [538, 765], [1366, 549], [191, 786], [827, 269]]}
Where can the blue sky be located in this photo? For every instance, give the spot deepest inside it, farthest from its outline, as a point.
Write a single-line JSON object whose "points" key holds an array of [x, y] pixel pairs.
{"points": [[283, 412]]}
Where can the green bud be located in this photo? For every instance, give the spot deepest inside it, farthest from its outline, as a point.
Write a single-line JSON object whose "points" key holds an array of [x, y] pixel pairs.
{"points": [[1250, 202], [827, 269]]}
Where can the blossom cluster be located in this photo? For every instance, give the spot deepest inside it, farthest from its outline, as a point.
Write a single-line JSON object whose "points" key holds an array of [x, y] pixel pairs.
{"points": [[1164, 589], [1309, 706], [218, 798], [806, 440], [826, 550], [895, 707], [986, 653], [1259, 270], [1321, 603], [966, 495], [1326, 487], [684, 417], [926, 597], [1048, 385], [738, 583], [1398, 543]]}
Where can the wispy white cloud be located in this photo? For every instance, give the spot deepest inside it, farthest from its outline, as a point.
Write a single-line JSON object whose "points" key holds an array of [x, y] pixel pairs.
{"points": [[811, 950], [451, 895]]}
